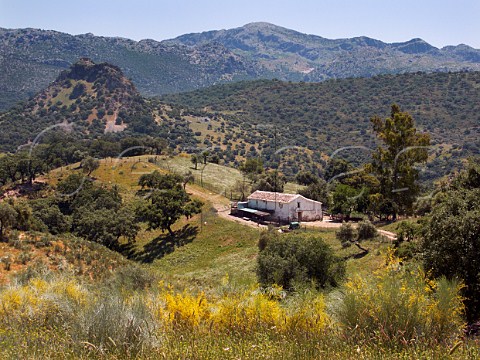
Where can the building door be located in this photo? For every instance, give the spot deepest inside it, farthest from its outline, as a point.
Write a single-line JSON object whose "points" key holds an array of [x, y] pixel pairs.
{"points": [[300, 216]]}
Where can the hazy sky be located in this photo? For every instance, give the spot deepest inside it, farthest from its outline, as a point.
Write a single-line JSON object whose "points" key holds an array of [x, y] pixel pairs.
{"points": [[439, 22]]}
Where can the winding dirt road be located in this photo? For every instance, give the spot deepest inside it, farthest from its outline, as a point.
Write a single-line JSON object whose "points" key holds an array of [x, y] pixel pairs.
{"points": [[222, 205]]}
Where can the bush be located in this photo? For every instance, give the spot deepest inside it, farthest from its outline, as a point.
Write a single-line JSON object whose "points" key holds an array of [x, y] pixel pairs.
{"points": [[7, 262], [397, 306], [407, 231], [133, 277], [119, 326], [64, 310], [450, 245], [248, 312], [24, 257], [296, 258], [346, 234], [407, 250], [265, 237], [366, 230]]}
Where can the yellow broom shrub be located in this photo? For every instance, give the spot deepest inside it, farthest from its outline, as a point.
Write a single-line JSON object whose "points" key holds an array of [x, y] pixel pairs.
{"points": [[399, 305], [249, 312], [246, 312], [309, 316], [183, 309], [41, 302]]}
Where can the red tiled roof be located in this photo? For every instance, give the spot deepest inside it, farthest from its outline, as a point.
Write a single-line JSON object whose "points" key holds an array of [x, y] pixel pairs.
{"points": [[273, 196]]}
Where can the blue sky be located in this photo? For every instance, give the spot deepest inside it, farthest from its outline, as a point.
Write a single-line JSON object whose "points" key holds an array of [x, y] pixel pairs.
{"points": [[439, 22]]}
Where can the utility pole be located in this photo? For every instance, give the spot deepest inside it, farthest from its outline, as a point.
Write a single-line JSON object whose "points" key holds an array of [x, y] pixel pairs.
{"points": [[201, 174], [274, 157]]}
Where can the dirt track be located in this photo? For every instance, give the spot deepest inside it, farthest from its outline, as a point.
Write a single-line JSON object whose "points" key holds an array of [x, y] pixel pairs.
{"points": [[222, 206]]}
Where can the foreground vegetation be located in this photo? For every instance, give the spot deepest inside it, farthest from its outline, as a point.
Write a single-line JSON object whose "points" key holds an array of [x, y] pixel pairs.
{"points": [[395, 314]]}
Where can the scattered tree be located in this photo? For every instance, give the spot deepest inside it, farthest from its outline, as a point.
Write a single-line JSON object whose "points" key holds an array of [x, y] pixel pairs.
{"points": [[47, 212], [205, 155], [394, 163], [366, 230], [194, 160], [305, 177], [167, 202], [187, 178], [270, 181], [89, 165], [316, 191], [166, 206], [243, 188], [345, 200], [346, 234], [336, 167], [8, 217], [155, 180], [251, 168]]}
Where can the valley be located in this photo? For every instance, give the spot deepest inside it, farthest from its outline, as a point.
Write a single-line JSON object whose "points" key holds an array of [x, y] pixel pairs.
{"points": [[155, 197]]}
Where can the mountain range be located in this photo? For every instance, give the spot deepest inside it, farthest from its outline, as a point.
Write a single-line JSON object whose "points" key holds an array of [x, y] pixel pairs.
{"points": [[31, 58]]}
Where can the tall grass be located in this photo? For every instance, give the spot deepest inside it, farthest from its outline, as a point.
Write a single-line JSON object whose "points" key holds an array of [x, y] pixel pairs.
{"points": [[398, 306], [397, 315]]}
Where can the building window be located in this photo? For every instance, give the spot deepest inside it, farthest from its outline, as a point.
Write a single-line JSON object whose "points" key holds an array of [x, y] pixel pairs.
{"points": [[298, 205], [281, 205]]}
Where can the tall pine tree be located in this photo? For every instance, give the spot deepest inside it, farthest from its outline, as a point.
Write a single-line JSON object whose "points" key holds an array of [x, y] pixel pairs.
{"points": [[393, 162]]}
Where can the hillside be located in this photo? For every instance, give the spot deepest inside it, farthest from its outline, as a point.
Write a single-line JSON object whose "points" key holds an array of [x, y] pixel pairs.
{"points": [[89, 100], [197, 293], [323, 117], [30, 58], [249, 119]]}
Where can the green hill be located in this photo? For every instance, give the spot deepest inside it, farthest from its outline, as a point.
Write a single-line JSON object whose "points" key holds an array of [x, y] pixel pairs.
{"points": [[305, 122], [90, 100], [323, 117]]}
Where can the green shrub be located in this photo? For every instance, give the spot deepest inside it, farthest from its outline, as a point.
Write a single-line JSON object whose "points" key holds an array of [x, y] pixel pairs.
{"points": [[24, 257], [7, 262], [366, 230], [133, 277], [265, 237], [407, 250], [407, 231], [37, 270], [346, 234], [295, 258]]}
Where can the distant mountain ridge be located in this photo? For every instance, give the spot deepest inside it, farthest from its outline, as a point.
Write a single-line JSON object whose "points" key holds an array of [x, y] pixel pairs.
{"points": [[30, 58], [318, 58]]}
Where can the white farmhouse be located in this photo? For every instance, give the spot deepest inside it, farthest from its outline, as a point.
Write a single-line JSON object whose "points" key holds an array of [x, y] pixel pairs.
{"points": [[282, 207]]}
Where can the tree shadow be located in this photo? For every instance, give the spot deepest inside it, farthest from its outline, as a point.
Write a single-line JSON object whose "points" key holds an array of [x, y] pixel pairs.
{"points": [[161, 245], [356, 255]]}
